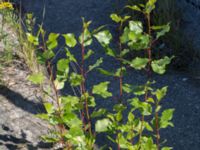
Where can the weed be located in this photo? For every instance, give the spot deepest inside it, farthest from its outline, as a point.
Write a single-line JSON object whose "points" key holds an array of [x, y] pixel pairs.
{"points": [[72, 114]]}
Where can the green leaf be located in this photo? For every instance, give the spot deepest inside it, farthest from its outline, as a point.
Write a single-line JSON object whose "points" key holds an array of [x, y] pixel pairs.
{"points": [[70, 118], [90, 99], [131, 117], [166, 118], [50, 139], [102, 125], [124, 144], [70, 55], [70, 39], [63, 65], [127, 88], [119, 107], [72, 100], [98, 113], [53, 37], [32, 39], [124, 37], [104, 37], [160, 93], [135, 7], [167, 148], [52, 41], [158, 108], [75, 79], [86, 24], [138, 41], [119, 116], [139, 63], [85, 38], [124, 52], [105, 72], [136, 27], [163, 30], [88, 54], [120, 71], [52, 45], [102, 90], [76, 131], [37, 78], [150, 100], [148, 126], [116, 18], [159, 66], [150, 5], [137, 90], [97, 64], [49, 108], [59, 84], [109, 51], [147, 144], [125, 18], [144, 107], [43, 116], [48, 54]]}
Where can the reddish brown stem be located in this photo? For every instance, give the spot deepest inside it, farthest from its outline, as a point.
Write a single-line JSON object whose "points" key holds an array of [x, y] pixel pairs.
{"points": [[61, 127], [121, 71], [83, 89], [148, 16], [157, 131]]}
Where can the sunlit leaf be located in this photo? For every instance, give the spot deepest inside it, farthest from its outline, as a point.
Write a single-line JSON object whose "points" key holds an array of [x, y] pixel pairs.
{"points": [[139, 63], [63, 65], [166, 117], [75, 79], [104, 37], [52, 41], [135, 7], [101, 89], [162, 30], [105, 72], [124, 37], [88, 54], [32, 39], [136, 26], [49, 108], [98, 113], [102, 125], [150, 5], [96, 64], [116, 18], [36, 78], [160, 93], [159, 66], [85, 38], [70, 55], [70, 39]]}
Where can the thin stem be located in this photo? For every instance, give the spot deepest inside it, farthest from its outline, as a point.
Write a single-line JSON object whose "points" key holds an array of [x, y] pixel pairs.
{"points": [[83, 88], [142, 121], [121, 71], [148, 16], [149, 50], [61, 127], [157, 129], [149, 53]]}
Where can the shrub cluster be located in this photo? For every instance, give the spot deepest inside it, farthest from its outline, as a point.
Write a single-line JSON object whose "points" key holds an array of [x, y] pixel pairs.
{"points": [[75, 117]]}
